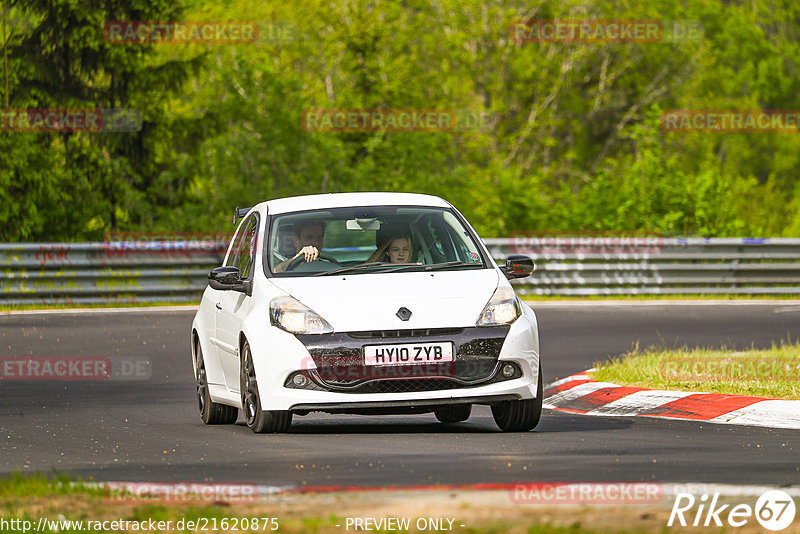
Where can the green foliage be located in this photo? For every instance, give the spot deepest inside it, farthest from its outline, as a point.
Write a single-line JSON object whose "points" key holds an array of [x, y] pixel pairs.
{"points": [[570, 138], [73, 185]]}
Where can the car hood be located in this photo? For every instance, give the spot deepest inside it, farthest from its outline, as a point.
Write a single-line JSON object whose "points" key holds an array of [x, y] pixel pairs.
{"points": [[358, 302]]}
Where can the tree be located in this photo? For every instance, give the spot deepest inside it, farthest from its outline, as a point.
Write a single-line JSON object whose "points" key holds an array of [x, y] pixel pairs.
{"points": [[112, 179]]}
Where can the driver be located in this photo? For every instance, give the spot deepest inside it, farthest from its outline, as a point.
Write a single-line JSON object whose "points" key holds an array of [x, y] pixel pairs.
{"points": [[307, 241], [285, 247]]}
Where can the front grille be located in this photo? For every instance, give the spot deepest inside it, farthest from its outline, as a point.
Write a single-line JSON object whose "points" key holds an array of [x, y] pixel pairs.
{"points": [[397, 385], [384, 334], [464, 371], [407, 386]]}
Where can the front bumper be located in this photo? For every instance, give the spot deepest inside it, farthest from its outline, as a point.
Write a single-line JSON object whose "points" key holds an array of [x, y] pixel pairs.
{"points": [[339, 361], [474, 376]]}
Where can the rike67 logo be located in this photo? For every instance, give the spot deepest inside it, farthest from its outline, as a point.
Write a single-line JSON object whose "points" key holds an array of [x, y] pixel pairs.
{"points": [[774, 510]]}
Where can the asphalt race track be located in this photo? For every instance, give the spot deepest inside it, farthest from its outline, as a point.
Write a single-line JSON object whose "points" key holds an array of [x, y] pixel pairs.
{"points": [[149, 429]]}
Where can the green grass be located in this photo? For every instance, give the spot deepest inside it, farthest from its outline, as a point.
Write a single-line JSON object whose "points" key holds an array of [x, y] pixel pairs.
{"points": [[40, 485], [772, 373]]}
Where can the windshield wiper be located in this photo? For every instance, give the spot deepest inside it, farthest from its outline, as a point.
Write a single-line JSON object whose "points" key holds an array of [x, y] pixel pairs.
{"points": [[391, 267], [448, 264], [354, 268], [400, 267], [435, 266]]}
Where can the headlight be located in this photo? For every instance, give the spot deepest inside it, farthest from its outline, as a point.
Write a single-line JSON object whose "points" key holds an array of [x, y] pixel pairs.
{"points": [[502, 308], [289, 314]]}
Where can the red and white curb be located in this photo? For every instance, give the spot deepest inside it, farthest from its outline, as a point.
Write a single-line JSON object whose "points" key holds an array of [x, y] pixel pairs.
{"points": [[580, 394]]}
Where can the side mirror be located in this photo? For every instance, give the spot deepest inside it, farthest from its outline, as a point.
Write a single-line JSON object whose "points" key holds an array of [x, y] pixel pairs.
{"points": [[517, 266], [228, 279]]}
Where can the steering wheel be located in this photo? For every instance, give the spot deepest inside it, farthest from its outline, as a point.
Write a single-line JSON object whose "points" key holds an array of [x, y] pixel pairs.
{"points": [[295, 263]]}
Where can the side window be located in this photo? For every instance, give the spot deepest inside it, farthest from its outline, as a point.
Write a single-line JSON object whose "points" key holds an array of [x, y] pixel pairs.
{"points": [[442, 241], [243, 251], [232, 259], [463, 245], [436, 239]]}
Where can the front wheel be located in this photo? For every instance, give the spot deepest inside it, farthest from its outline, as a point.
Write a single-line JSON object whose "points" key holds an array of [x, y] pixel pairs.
{"points": [[257, 419], [211, 412], [521, 415]]}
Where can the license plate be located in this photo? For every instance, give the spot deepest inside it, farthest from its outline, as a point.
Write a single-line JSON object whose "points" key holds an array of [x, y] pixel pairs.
{"points": [[408, 353]]}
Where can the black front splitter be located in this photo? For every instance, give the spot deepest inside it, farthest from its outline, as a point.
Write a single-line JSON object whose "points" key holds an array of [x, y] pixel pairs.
{"points": [[398, 406]]}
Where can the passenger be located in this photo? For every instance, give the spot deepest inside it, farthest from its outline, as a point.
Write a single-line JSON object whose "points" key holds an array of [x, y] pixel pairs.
{"points": [[396, 249], [307, 241]]}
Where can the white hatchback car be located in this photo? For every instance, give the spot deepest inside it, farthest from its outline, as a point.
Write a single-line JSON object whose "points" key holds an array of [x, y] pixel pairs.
{"points": [[366, 303]]}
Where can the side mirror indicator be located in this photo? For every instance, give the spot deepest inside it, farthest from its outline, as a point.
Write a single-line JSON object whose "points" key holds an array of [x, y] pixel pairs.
{"points": [[226, 279], [517, 266]]}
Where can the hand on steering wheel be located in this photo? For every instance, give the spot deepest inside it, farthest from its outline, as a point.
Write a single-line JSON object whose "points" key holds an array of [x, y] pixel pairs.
{"points": [[308, 254]]}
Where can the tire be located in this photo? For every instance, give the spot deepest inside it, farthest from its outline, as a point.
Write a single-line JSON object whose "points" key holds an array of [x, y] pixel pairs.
{"points": [[521, 415], [257, 419], [211, 412], [453, 414]]}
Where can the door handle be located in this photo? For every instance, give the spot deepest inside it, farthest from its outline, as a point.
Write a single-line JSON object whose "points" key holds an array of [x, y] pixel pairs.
{"points": [[219, 305]]}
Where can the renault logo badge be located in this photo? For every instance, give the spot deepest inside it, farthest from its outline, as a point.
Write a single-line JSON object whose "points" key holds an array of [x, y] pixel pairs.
{"points": [[404, 314]]}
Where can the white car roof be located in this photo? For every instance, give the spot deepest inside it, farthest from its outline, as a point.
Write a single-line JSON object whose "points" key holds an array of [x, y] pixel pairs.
{"points": [[344, 200]]}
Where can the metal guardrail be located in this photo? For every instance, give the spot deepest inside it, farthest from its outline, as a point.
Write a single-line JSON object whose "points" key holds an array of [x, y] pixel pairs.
{"points": [[176, 271], [651, 266], [115, 271]]}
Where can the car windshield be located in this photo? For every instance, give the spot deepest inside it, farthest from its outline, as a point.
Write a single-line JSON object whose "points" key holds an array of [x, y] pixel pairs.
{"points": [[368, 240]]}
